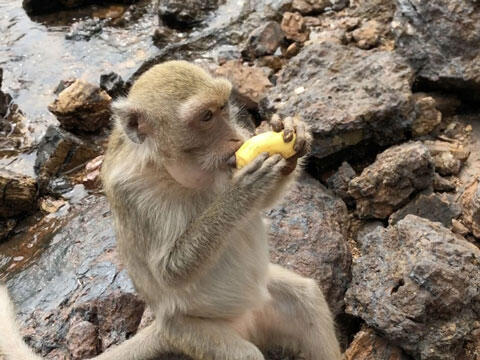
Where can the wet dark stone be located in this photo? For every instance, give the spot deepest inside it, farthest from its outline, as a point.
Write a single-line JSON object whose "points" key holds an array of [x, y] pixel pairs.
{"points": [[181, 14], [85, 29], [113, 84], [58, 186], [36, 7]]}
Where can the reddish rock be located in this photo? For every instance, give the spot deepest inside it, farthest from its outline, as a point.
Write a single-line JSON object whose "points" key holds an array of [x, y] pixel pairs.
{"points": [[471, 208], [293, 25], [82, 340], [92, 179], [308, 235]]}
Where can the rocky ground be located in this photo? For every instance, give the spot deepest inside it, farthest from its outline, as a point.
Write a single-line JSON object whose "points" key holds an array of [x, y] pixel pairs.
{"points": [[386, 217]]}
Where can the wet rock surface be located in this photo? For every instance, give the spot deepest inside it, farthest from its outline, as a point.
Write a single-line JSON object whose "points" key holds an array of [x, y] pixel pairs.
{"points": [[346, 95], [308, 236], [82, 107], [417, 283], [440, 39], [389, 182], [184, 14]]}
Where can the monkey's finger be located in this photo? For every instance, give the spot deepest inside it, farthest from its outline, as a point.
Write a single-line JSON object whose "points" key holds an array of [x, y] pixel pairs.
{"points": [[276, 123], [263, 127], [290, 165], [256, 163], [288, 129], [269, 164], [300, 141]]}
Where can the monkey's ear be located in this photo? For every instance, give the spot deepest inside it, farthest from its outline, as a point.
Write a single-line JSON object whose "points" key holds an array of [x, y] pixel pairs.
{"points": [[132, 120]]}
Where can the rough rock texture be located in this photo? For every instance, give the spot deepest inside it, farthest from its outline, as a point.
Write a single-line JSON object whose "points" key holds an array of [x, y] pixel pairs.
{"points": [[442, 184], [346, 95], [367, 345], [440, 39], [60, 151], [434, 207], [18, 193], [184, 14], [264, 40], [427, 116], [310, 6], [471, 208], [388, 183], [82, 340], [293, 25], [35, 7], [447, 156], [82, 107], [308, 236], [368, 34], [251, 83], [339, 181], [418, 283]]}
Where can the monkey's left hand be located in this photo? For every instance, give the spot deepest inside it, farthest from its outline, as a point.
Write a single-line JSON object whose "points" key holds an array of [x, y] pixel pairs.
{"points": [[303, 140]]}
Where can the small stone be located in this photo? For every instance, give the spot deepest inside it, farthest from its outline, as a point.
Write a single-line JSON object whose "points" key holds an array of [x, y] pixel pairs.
{"points": [[264, 40], [292, 50], [441, 184], [299, 90], [367, 36], [427, 115], [390, 181], [82, 340], [448, 156], [251, 83], [50, 205], [459, 228], [310, 6], [184, 14], [294, 27], [468, 128], [82, 107]]}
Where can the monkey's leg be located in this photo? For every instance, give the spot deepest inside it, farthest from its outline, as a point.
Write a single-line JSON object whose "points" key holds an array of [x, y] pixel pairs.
{"points": [[297, 317], [208, 339]]}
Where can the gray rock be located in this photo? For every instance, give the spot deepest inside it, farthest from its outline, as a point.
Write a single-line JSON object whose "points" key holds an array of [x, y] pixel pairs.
{"points": [[388, 183], [346, 95], [308, 236], [19, 193], [264, 40], [418, 284], [36, 7], [181, 14], [84, 30], [441, 184], [434, 207], [339, 181], [440, 40], [471, 208], [113, 84]]}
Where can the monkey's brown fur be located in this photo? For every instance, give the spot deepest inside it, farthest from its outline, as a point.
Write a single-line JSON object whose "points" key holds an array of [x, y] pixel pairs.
{"points": [[190, 230]]}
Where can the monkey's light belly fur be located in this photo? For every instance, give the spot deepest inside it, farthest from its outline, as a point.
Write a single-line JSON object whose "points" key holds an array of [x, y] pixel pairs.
{"points": [[270, 141]]}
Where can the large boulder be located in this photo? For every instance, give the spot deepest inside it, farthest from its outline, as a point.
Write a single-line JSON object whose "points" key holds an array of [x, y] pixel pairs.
{"points": [[308, 235], [388, 183], [346, 95], [419, 285], [440, 40]]}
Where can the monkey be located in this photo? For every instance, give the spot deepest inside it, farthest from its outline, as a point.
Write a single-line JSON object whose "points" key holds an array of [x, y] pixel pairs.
{"points": [[190, 230]]}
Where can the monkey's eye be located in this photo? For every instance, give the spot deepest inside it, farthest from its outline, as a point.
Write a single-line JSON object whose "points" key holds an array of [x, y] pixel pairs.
{"points": [[207, 116]]}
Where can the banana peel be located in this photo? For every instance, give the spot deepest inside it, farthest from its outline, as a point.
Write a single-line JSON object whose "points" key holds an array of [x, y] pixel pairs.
{"points": [[270, 141]]}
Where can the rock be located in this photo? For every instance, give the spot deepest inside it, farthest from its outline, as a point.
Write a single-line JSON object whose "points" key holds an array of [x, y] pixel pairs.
{"points": [[367, 36], [471, 208], [60, 151], [292, 50], [82, 340], [447, 155], [339, 181], [441, 184], [447, 104], [367, 345], [82, 107], [346, 95], [388, 183], [434, 207], [310, 6], [19, 193], [180, 14], [417, 283], [6, 227], [50, 206], [113, 84], [84, 30], [445, 52], [459, 228], [37, 7], [308, 236], [62, 85], [92, 179], [251, 83], [427, 116], [58, 186], [264, 40], [293, 25]]}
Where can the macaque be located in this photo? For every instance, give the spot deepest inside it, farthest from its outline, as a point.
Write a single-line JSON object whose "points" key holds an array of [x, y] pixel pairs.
{"points": [[190, 229]]}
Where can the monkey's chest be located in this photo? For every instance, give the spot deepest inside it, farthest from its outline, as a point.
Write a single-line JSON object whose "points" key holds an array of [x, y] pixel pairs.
{"points": [[238, 279]]}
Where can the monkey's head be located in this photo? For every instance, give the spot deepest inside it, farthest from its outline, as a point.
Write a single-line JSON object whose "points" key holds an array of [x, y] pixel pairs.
{"points": [[179, 115]]}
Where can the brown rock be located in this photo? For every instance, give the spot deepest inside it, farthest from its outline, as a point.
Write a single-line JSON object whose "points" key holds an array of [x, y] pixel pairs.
{"points": [[459, 228], [448, 156], [251, 83], [427, 115], [292, 50], [19, 193], [471, 208], [388, 183], [92, 179], [82, 107], [6, 227], [82, 340], [308, 236], [264, 40], [339, 181], [367, 345], [441, 184], [368, 34], [294, 27], [310, 6]]}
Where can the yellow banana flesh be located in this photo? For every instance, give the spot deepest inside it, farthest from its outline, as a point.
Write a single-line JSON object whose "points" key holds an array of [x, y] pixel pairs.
{"points": [[271, 142]]}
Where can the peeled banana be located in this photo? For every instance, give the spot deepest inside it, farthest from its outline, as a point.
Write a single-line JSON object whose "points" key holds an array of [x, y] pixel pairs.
{"points": [[271, 142]]}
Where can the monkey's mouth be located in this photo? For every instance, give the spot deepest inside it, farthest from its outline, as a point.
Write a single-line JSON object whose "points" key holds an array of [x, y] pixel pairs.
{"points": [[232, 161]]}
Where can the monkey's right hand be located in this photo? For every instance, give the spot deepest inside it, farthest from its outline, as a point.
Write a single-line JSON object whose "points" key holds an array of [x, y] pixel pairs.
{"points": [[259, 179]]}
